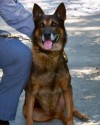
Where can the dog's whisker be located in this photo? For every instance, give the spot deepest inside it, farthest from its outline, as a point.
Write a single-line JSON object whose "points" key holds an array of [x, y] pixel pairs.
{"points": [[52, 37], [56, 37], [43, 39]]}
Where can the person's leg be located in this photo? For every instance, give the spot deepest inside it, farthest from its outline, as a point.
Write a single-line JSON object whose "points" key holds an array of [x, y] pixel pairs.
{"points": [[15, 60]]}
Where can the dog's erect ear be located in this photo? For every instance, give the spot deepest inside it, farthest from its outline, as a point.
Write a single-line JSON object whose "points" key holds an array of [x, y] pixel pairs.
{"points": [[61, 11], [37, 11]]}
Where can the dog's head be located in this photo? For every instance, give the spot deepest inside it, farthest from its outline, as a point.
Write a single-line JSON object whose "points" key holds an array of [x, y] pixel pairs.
{"points": [[49, 33]]}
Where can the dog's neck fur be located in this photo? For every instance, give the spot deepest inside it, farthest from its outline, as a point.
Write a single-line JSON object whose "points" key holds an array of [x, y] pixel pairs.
{"points": [[46, 61]]}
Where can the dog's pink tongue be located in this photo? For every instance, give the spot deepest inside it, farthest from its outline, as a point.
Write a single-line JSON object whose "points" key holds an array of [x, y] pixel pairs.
{"points": [[48, 44]]}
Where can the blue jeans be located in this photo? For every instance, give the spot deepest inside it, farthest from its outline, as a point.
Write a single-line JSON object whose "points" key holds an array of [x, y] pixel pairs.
{"points": [[15, 60]]}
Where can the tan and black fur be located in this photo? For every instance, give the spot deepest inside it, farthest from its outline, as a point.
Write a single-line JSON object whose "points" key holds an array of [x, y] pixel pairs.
{"points": [[49, 91]]}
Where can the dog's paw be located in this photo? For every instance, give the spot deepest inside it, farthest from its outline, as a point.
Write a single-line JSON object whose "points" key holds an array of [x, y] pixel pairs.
{"points": [[80, 115], [84, 117]]}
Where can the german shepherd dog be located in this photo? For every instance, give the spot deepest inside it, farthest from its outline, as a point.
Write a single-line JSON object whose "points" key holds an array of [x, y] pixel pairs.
{"points": [[49, 91]]}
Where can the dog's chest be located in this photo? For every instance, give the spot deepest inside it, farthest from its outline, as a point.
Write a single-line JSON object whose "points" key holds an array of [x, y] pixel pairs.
{"points": [[47, 70], [48, 98], [44, 79]]}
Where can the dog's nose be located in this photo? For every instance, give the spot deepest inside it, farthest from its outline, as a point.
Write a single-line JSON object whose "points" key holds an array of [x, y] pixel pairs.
{"points": [[47, 33]]}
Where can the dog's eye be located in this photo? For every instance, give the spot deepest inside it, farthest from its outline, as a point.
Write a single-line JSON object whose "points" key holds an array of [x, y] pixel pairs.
{"points": [[54, 24], [41, 25]]}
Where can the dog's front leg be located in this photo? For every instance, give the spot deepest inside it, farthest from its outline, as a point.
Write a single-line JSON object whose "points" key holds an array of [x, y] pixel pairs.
{"points": [[69, 105], [30, 101]]}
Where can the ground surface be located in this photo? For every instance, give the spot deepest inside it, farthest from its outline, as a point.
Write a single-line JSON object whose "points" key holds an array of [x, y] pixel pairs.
{"points": [[83, 50]]}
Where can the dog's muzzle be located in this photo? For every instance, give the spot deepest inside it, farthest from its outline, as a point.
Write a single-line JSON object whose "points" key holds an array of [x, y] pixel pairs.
{"points": [[50, 36], [48, 39]]}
